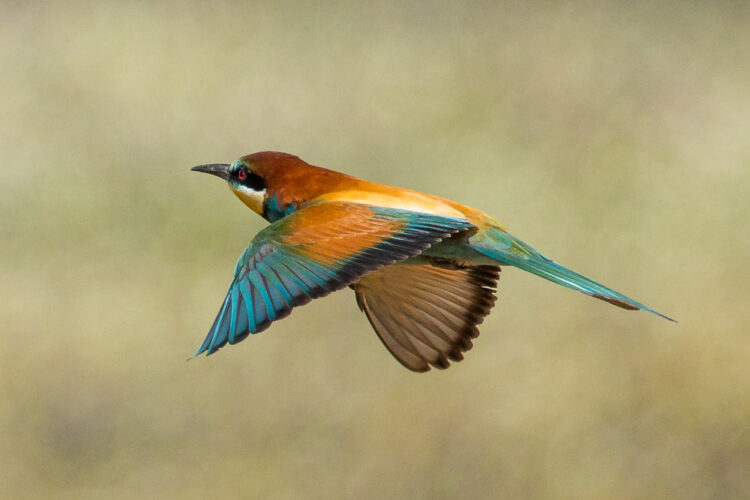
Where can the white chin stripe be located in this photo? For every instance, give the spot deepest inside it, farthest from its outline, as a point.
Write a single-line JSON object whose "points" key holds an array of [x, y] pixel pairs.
{"points": [[251, 198]]}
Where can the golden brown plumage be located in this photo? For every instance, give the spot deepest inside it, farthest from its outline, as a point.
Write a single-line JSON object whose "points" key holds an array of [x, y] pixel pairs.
{"points": [[426, 311]]}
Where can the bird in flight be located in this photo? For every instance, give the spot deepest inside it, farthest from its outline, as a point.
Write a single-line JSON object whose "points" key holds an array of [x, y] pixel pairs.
{"points": [[424, 269]]}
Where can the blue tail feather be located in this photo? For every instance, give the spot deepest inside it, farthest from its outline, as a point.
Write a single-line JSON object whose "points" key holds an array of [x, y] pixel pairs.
{"points": [[507, 249]]}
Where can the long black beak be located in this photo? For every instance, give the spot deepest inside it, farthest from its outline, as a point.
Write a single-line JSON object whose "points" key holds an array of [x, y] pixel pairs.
{"points": [[217, 169]]}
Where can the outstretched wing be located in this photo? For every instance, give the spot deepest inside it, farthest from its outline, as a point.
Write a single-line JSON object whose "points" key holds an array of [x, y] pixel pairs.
{"points": [[426, 312], [312, 252]]}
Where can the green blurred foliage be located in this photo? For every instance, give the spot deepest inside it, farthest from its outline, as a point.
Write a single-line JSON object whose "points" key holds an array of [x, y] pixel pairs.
{"points": [[612, 136]]}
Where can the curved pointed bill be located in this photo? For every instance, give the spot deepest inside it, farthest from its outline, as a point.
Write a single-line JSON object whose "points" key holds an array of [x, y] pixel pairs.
{"points": [[217, 169]]}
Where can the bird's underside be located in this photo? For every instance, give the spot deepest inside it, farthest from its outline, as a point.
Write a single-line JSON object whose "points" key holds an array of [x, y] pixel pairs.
{"points": [[426, 310]]}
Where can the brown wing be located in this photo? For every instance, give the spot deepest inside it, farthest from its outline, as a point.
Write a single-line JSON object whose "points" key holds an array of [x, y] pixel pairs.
{"points": [[427, 311]]}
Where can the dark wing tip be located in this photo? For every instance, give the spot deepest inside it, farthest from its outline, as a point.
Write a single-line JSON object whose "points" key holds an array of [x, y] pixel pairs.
{"points": [[629, 306], [616, 302]]}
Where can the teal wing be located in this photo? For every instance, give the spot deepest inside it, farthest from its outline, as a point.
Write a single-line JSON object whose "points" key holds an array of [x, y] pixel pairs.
{"points": [[312, 252], [507, 249]]}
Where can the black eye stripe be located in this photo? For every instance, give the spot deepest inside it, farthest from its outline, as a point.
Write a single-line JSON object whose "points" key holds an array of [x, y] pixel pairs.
{"points": [[254, 181], [243, 175]]}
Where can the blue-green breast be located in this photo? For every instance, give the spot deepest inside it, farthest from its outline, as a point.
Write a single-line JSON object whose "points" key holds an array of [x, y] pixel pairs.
{"points": [[274, 210]]}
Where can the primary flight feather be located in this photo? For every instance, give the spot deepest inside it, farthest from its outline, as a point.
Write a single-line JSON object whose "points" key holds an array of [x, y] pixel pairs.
{"points": [[424, 269]]}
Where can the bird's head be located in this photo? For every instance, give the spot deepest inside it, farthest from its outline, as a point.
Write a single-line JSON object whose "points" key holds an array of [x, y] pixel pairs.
{"points": [[244, 181], [275, 184]]}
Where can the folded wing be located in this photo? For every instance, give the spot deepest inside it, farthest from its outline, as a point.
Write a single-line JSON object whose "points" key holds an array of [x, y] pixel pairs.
{"points": [[426, 311], [312, 252]]}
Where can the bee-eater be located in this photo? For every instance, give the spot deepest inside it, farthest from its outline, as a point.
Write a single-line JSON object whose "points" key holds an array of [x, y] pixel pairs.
{"points": [[424, 269]]}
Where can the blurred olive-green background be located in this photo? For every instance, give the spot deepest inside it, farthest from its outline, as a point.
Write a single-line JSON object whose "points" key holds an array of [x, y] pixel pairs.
{"points": [[615, 138]]}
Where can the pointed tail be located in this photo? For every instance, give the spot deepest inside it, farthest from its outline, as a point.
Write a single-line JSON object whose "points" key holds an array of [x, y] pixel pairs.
{"points": [[508, 249]]}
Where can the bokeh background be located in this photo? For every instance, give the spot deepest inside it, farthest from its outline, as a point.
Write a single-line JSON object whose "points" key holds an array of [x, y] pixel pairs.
{"points": [[613, 137]]}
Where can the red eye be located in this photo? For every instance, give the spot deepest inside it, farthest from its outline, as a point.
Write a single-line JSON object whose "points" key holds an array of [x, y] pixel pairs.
{"points": [[242, 175]]}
